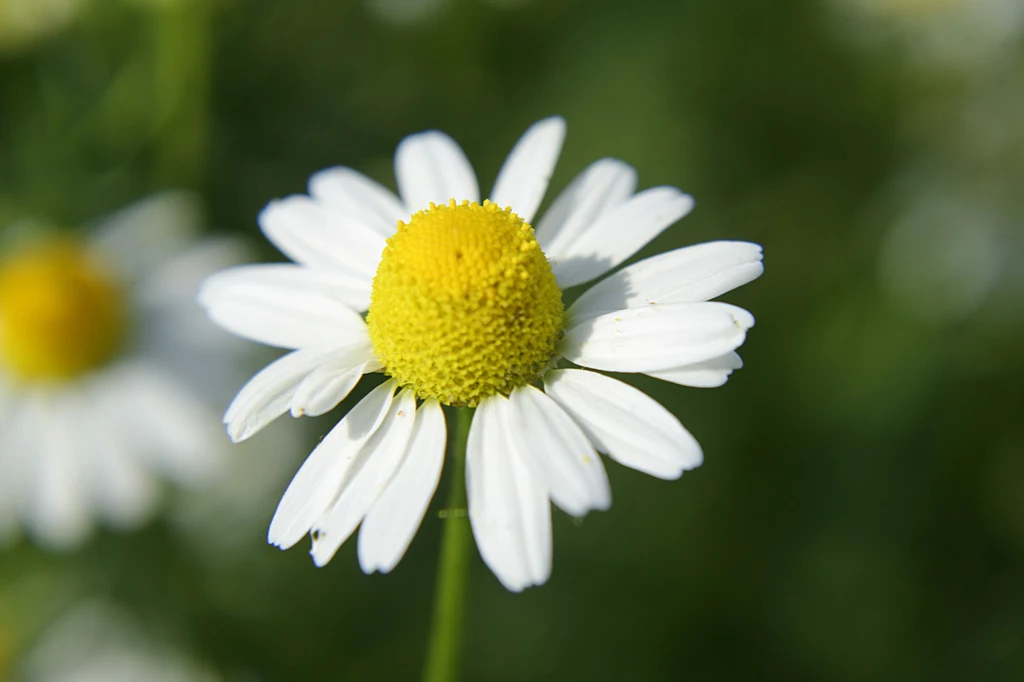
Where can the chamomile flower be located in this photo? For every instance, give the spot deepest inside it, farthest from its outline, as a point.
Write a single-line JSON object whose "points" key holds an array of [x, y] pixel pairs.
{"points": [[97, 640], [463, 304], [23, 24], [107, 370]]}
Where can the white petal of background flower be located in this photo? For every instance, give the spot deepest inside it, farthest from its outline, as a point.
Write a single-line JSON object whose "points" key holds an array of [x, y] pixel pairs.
{"points": [[95, 641], [176, 280], [625, 423], [280, 279], [618, 234], [509, 508], [316, 235], [10, 465], [708, 374], [278, 317], [366, 478], [431, 167], [556, 450], [688, 275], [142, 235], [170, 428], [171, 330], [17, 450], [656, 337], [316, 484], [602, 186], [122, 490], [358, 198], [57, 508], [397, 514], [524, 177], [219, 520]]}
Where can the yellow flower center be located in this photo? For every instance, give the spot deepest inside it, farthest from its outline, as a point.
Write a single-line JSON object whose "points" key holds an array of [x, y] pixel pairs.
{"points": [[61, 313], [464, 304]]}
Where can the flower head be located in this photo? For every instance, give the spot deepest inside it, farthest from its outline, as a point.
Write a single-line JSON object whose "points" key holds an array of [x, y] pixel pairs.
{"points": [[100, 640], [464, 305], [61, 312], [464, 302], [98, 335]]}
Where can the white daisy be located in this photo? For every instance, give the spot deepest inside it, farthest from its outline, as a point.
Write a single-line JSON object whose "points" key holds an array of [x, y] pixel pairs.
{"points": [[971, 34], [23, 24], [464, 308], [415, 11], [96, 640], [107, 370]]}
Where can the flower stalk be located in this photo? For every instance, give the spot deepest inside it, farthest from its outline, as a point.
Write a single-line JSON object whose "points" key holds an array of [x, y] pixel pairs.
{"points": [[445, 646], [182, 54]]}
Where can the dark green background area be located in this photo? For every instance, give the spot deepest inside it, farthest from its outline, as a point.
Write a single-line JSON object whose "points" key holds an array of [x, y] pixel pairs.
{"points": [[860, 512]]}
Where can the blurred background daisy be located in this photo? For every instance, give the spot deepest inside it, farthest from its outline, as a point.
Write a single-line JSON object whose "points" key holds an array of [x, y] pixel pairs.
{"points": [[859, 513], [96, 640], [107, 375]]}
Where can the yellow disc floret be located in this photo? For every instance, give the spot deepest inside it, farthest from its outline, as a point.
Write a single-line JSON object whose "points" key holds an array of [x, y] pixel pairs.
{"points": [[464, 304], [61, 313]]}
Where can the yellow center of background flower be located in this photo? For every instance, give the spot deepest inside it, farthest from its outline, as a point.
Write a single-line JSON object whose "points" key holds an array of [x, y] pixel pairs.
{"points": [[61, 313], [464, 304]]}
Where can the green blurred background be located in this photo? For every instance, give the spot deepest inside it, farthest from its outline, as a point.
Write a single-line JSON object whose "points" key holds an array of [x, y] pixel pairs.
{"points": [[860, 512]]}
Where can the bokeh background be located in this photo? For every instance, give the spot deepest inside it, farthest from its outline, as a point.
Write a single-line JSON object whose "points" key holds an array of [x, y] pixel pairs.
{"points": [[860, 512]]}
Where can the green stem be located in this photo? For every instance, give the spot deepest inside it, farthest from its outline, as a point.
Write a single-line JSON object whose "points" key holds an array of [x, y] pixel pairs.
{"points": [[182, 59], [445, 647]]}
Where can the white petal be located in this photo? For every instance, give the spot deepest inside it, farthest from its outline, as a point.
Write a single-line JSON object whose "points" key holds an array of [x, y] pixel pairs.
{"points": [[367, 477], [398, 512], [169, 327], [656, 337], [431, 167], [271, 392], [708, 374], [602, 186], [311, 233], [286, 318], [359, 198], [688, 275], [286, 279], [508, 507], [11, 466], [122, 490], [316, 484], [141, 236], [328, 385], [58, 513], [524, 177], [618, 234], [23, 419], [176, 282], [173, 431], [624, 422], [556, 450]]}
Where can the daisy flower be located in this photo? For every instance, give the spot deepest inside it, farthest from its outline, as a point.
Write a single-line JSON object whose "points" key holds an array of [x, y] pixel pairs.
{"points": [[98, 640], [23, 24], [463, 304], [107, 369]]}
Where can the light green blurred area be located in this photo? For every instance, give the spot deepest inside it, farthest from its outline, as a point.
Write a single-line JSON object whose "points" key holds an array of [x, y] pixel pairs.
{"points": [[860, 512]]}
